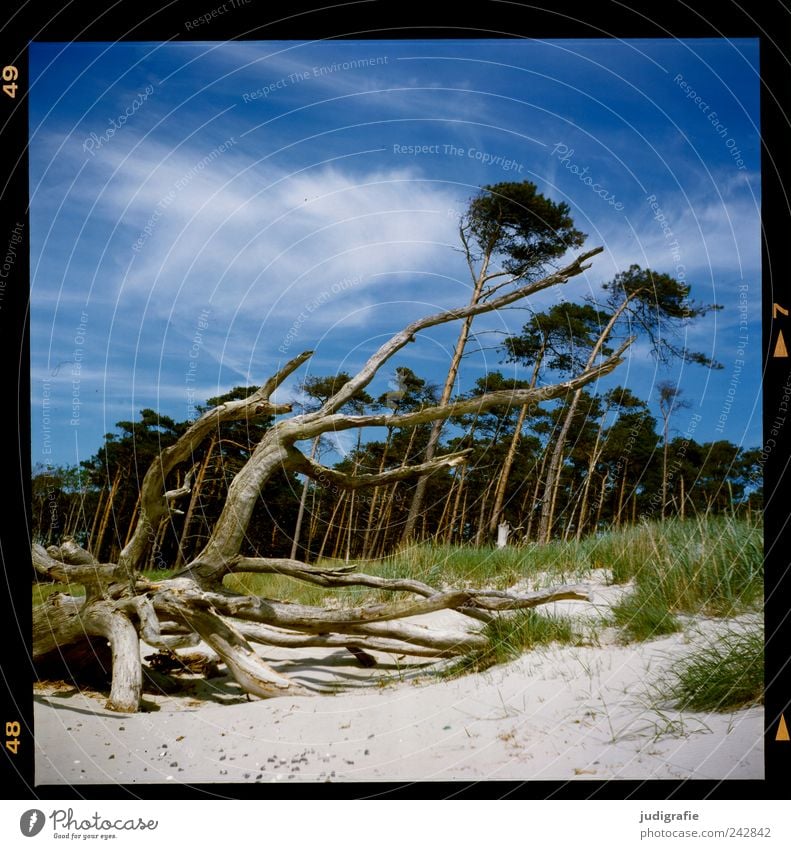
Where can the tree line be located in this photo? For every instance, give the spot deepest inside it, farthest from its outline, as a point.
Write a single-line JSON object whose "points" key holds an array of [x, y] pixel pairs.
{"points": [[620, 465]]}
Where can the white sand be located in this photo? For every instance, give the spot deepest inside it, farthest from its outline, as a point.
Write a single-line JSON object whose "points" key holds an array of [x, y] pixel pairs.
{"points": [[557, 713]]}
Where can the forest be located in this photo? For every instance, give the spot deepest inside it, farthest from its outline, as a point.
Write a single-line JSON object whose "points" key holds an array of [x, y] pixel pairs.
{"points": [[617, 462]]}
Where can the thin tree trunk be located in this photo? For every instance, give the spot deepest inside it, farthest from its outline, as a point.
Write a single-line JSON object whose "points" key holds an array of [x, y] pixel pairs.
{"points": [[107, 511], [463, 516], [586, 485], [482, 524], [664, 473], [302, 500], [602, 496], [67, 530], [339, 537], [621, 495], [132, 520], [450, 380], [369, 544], [462, 473], [196, 493], [153, 560], [502, 483], [379, 543], [351, 527], [377, 548], [553, 474], [96, 513], [330, 526], [315, 515], [441, 525], [386, 510], [537, 488], [683, 495]]}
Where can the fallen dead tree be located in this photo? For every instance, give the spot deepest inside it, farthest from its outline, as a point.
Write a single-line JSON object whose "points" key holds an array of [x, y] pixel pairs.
{"points": [[122, 607]]}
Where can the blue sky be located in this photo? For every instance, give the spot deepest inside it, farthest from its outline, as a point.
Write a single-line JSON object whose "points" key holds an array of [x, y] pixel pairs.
{"points": [[202, 212]]}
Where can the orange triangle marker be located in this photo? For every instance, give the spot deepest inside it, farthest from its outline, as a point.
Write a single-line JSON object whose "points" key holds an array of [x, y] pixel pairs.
{"points": [[782, 730], [780, 347]]}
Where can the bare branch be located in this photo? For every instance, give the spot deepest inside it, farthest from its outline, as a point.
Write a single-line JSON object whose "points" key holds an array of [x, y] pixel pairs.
{"points": [[476, 404], [342, 577], [67, 573], [70, 552], [153, 502], [279, 378], [304, 617], [399, 340], [185, 488], [252, 674], [300, 463], [500, 600], [275, 637], [468, 252]]}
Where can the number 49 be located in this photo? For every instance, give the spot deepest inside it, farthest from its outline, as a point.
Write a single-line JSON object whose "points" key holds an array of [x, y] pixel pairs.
{"points": [[10, 74]]}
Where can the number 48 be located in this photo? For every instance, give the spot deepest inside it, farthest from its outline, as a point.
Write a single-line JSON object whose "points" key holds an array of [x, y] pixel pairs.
{"points": [[10, 74], [12, 730]]}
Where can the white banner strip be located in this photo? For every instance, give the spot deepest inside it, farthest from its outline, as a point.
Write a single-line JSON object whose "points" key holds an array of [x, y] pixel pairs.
{"points": [[381, 824]]}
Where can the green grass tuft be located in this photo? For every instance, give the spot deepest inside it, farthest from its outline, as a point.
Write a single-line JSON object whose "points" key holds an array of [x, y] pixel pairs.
{"points": [[710, 565], [510, 636], [724, 676], [643, 617]]}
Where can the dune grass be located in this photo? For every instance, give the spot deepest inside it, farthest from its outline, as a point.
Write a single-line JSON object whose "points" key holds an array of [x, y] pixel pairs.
{"points": [[709, 565], [641, 616], [510, 636], [726, 675]]}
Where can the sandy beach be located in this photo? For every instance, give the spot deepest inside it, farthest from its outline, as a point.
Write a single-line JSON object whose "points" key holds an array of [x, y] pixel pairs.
{"points": [[560, 712]]}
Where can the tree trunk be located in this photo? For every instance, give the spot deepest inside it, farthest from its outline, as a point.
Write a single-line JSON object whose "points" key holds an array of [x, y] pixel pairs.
{"points": [[480, 536], [621, 493], [682, 495], [96, 513], [556, 462], [502, 483], [436, 429], [107, 511], [595, 455], [369, 544], [461, 474], [664, 468], [330, 526], [194, 498], [339, 529], [302, 500]]}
